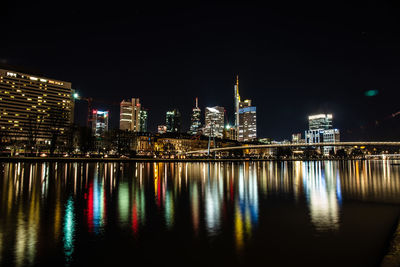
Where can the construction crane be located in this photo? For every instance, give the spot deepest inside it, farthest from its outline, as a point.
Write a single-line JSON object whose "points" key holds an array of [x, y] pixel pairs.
{"points": [[90, 101]]}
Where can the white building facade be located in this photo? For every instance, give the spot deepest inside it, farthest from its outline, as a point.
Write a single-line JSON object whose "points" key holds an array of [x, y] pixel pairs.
{"points": [[214, 121]]}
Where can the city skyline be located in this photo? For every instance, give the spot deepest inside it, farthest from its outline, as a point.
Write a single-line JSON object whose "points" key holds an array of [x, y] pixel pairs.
{"points": [[291, 63], [213, 130], [134, 118]]}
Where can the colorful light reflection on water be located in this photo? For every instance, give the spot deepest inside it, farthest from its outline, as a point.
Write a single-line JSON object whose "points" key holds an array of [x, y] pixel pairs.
{"points": [[234, 213], [69, 229]]}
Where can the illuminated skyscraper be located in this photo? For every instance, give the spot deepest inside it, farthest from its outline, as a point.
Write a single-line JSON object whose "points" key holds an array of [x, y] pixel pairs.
{"points": [[143, 120], [195, 120], [247, 123], [320, 122], [245, 117], [130, 115], [32, 105], [237, 103], [125, 115], [173, 121], [99, 122], [214, 122], [321, 131]]}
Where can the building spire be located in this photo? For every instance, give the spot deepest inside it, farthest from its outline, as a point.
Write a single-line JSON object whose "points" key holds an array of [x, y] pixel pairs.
{"points": [[197, 103], [237, 87]]}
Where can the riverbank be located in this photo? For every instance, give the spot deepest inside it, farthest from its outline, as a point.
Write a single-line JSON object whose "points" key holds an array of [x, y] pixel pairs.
{"points": [[70, 159], [84, 159]]}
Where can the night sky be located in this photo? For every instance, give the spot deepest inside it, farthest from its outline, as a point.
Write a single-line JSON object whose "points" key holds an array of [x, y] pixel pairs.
{"points": [[292, 60]]}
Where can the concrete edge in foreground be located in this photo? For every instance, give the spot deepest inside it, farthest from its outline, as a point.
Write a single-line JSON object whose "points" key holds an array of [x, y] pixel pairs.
{"points": [[392, 258]]}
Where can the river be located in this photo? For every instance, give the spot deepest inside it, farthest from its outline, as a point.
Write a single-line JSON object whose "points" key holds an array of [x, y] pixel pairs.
{"points": [[311, 213]]}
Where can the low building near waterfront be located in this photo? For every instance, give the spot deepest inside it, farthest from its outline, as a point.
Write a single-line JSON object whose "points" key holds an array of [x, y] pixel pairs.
{"points": [[143, 143], [178, 143]]}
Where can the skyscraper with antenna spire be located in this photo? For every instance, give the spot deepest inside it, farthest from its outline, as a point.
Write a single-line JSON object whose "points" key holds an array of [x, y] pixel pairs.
{"points": [[236, 97], [245, 117], [237, 102], [195, 120]]}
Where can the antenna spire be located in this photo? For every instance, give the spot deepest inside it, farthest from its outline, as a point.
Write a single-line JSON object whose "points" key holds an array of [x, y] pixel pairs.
{"points": [[237, 87], [197, 103]]}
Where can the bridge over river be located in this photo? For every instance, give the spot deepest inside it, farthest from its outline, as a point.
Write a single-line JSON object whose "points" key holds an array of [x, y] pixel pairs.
{"points": [[297, 145]]}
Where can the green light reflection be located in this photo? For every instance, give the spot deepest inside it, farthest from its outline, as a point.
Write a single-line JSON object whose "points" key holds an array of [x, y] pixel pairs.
{"points": [[69, 230]]}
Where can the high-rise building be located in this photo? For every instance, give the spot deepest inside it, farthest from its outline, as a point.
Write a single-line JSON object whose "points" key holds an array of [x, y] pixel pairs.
{"points": [[195, 120], [130, 115], [237, 103], [320, 121], [99, 122], [245, 117], [125, 115], [321, 131], [247, 124], [143, 120], [33, 105], [173, 121], [214, 121]]}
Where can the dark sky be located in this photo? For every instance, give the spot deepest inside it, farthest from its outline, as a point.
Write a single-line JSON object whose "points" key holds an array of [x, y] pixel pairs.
{"points": [[293, 60]]}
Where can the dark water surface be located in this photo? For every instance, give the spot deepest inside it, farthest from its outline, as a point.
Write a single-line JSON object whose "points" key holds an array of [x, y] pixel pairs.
{"points": [[323, 213]]}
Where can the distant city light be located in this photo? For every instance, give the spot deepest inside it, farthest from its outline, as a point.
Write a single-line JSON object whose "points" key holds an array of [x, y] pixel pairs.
{"points": [[76, 95]]}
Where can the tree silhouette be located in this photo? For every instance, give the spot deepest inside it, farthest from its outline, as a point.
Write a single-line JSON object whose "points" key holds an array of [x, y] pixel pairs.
{"points": [[33, 128], [58, 122]]}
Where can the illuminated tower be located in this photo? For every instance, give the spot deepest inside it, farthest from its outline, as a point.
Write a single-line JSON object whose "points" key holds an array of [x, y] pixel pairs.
{"points": [[99, 122], [245, 117], [130, 115], [125, 121], [247, 123], [322, 131], [214, 121], [237, 102], [173, 121], [196, 114]]}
